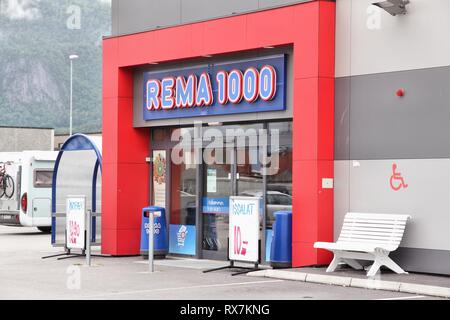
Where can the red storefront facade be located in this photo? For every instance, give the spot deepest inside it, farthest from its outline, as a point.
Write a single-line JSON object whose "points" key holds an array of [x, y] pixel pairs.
{"points": [[310, 29]]}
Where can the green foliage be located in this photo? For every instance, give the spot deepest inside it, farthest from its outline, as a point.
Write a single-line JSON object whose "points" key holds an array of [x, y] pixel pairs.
{"points": [[35, 66]]}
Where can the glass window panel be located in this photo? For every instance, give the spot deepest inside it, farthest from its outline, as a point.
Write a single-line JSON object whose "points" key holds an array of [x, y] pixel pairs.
{"points": [[279, 179], [43, 178]]}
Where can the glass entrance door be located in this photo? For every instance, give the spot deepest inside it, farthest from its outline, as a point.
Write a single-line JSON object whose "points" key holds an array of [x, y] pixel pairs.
{"points": [[218, 186], [237, 174]]}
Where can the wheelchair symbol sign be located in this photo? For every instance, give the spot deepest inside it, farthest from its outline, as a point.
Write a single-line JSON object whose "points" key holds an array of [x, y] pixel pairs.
{"points": [[396, 180]]}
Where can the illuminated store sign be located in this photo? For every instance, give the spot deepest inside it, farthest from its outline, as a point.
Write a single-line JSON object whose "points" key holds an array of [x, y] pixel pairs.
{"points": [[256, 85]]}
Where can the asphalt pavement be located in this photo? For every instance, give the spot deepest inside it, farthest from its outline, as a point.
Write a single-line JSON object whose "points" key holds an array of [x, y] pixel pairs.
{"points": [[25, 275]]}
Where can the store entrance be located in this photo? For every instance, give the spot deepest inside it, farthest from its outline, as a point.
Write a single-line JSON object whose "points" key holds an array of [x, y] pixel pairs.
{"points": [[227, 171], [194, 182]]}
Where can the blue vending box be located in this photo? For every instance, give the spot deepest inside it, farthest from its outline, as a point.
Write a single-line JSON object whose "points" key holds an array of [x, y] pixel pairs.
{"points": [[161, 241], [281, 247]]}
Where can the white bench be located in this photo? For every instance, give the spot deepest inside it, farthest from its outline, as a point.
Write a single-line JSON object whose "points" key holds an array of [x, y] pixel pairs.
{"points": [[367, 236]]}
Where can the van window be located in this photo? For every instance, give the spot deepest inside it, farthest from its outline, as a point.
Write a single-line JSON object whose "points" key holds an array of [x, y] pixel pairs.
{"points": [[43, 178]]}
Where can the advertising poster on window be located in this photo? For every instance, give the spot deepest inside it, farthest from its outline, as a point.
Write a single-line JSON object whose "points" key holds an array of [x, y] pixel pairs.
{"points": [[182, 239], [159, 178], [211, 181], [75, 222], [244, 229]]}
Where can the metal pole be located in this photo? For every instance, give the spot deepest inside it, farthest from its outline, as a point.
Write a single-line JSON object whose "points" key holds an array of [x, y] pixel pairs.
{"points": [[150, 241], [88, 238], [71, 85]]}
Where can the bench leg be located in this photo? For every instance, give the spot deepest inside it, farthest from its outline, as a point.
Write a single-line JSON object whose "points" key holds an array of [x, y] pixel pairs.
{"points": [[384, 260], [333, 265], [388, 262], [374, 268], [353, 263]]}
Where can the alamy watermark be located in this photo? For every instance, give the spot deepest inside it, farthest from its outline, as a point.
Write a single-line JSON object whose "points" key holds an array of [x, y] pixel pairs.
{"points": [[73, 22], [73, 281], [212, 145]]}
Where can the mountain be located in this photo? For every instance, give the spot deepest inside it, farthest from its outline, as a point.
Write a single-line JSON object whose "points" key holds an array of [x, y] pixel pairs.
{"points": [[36, 39]]}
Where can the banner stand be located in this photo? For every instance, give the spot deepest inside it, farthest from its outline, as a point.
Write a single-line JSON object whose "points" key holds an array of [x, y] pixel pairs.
{"points": [[233, 266], [85, 243], [243, 240]]}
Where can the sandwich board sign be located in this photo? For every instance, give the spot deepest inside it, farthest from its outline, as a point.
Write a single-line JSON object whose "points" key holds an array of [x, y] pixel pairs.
{"points": [[244, 229], [76, 222]]}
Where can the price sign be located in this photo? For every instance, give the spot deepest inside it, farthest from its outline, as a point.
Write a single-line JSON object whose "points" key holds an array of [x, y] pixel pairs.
{"points": [[244, 229], [76, 222]]}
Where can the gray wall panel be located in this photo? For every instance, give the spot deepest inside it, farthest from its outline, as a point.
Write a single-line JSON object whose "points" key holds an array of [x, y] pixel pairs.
{"points": [[421, 260], [341, 194], [342, 119], [425, 197], [194, 10], [275, 3], [384, 126], [141, 15], [364, 186], [114, 17], [378, 42]]}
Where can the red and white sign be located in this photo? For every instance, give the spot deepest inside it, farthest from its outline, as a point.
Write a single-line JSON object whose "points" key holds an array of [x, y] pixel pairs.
{"points": [[76, 222], [244, 229]]}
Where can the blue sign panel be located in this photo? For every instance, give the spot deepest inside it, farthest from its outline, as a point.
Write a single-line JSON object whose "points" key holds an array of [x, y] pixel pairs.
{"points": [[182, 239], [215, 205], [269, 234], [255, 85]]}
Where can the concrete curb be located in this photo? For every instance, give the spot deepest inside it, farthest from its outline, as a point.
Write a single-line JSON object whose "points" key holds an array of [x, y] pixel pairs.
{"points": [[373, 284]]}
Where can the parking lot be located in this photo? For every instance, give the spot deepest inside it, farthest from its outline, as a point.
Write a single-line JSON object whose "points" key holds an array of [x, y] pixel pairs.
{"points": [[24, 275]]}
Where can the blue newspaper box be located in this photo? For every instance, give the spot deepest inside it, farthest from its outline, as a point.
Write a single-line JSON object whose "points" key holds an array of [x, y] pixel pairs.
{"points": [[161, 241], [281, 248]]}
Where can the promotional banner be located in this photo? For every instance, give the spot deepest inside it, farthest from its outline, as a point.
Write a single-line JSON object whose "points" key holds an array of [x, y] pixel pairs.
{"points": [[253, 85], [159, 178], [244, 229], [182, 239], [75, 222]]}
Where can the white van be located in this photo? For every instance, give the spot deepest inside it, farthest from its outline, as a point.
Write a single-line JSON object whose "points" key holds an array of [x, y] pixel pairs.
{"points": [[26, 188]]}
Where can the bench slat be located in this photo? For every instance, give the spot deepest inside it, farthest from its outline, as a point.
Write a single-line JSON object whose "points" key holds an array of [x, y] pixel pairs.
{"points": [[369, 236], [365, 233], [377, 216], [363, 247], [374, 236], [373, 221], [376, 243], [371, 231], [371, 225], [362, 239]]}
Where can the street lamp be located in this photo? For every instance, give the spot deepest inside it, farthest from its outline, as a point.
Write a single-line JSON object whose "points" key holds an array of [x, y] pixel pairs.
{"points": [[71, 57], [393, 7]]}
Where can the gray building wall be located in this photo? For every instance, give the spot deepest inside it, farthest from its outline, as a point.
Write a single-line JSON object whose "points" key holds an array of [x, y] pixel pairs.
{"points": [[377, 54], [130, 16], [20, 139]]}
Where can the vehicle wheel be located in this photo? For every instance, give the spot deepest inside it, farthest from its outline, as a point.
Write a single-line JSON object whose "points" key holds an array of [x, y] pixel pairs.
{"points": [[9, 186], [45, 229]]}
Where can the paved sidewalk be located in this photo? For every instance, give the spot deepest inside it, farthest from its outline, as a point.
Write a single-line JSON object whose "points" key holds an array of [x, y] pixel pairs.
{"points": [[426, 284], [25, 275]]}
